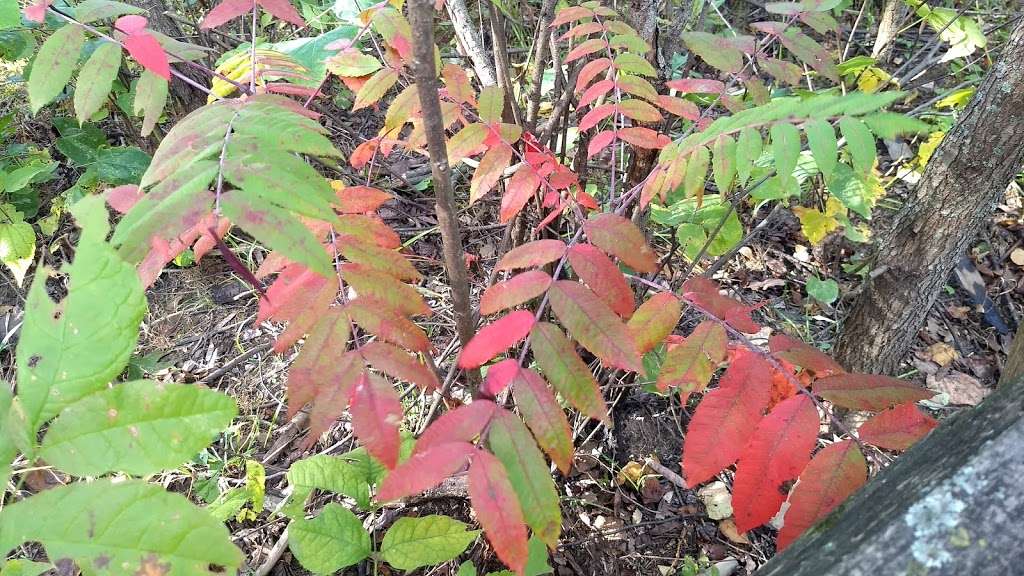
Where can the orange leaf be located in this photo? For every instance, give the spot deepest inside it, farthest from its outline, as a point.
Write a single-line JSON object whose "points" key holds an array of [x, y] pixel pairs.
{"points": [[536, 253], [807, 357], [488, 173], [514, 291], [520, 188], [600, 141], [399, 364], [621, 238], [377, 318], [704, 293], [424, 470], [586, 47], [644, 137], [360, 199], [590, 71], [384, 289], [603, 277], [690, 365]]}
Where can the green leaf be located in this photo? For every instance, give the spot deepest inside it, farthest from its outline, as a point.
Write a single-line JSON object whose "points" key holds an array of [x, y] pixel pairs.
{"points": [[412, 543], [95, 80], [52, 68], [821, 139], [723, 163], [8, 447], [696, 172], [375, 88], [748, 150], [93, 10], [537, 559], [353, 63], [138, 427], [528, 473], [629, 62], [150, 98], [892, 124], [17, 242], [121, 528], [566, 372], [330, 473], [859, 142], [466, 569], [20, 567], [121, 165], [278, 229], [849, 189], [312, 54], [10, 17], [824, 291], [71, 349], [333, 540], [81, 144], [491, 104], [785, 147], [715, 50]]}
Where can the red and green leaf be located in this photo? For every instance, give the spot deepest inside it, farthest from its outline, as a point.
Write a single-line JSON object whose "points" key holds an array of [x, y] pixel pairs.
{"points": [[462, 424], [498, 511], [544, 417], [621, 238], [531, 254], [593, 324], [495, 338], [603, 277], [425, 469], [376, 416], [807, 357], [566, 372], [704, 293], [690, 365], [399, 364], [517, 290], [654, 320], [872, 392]]}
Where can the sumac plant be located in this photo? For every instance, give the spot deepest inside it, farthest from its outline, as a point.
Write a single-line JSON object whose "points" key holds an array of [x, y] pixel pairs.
{"points": [[581, 298]]}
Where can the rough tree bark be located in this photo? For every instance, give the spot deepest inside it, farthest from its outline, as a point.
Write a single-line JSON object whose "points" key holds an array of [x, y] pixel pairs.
{"points": [[421, 16], [462, 22], [964, 179], [893, 12]]}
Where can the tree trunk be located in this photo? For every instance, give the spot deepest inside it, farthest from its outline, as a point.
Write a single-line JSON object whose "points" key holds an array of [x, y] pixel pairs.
{"points": [[950, 506], [470, 40], [962, 182], [893, 12]]}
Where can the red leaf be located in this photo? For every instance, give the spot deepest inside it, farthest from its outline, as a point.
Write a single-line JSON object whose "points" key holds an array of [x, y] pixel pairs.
{"points": [[496, 338], [807, 357], [499, 376], [226, 10], [323, 374], [566, 372], [590, 71], [397, 363], [384, 289], [699, 85], [690, 365], [571, 14], [596, 115], [836, 472], [283, 10], [147, 51], [654, 320], [518, 191], [544, 416], [644, 137], [600, 141], [621, 238], [594, 325], [36, 12], [131, 24], [364, 152], [376, 415], [369, 229], [776, 454], [603, 277], [424, 470], [897, 428], [726, 418], [679, 107], [514, 291], [586, 47], [599, 89], [536, 253], [388, 325], [498, 510], [585, 29], [704, 293], [462, 424], [360, 199], [868, 391], [122, 198]]}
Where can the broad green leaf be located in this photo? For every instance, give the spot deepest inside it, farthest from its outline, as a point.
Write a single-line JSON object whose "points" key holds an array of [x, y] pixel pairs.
{"points": [[278, 229], [412, 543], [859, 142], [93, 10], [531, 479], [785, 147], [330, 473], [312, 54], [335, 539], [17, 242], [52, 68], [716, 50], [491, 104], [71, 349], [748, 150], [95, 80], [229, 503], [8, 448], [121, 528], [849, 188], [10, 16], [821, 139], [19, 567], [723, 163], [824, 291], [150, 98], [138, 427], [892, 124], [466, 569], [121, 165], [629, 62]]}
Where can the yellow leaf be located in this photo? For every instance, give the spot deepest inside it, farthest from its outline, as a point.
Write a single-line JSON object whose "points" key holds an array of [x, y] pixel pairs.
{"points": [[957, 98], [927, 148], [816, 225], [871, 79]]}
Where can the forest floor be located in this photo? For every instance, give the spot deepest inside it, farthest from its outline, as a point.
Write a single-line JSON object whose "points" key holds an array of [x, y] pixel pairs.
{"points": [[623, 513]]}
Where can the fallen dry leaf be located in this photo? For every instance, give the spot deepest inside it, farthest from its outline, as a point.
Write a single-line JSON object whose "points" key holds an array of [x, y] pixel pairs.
{"points": [[942, 354], [961, 388], [1017, 256], [728, 529], [717, 500]]}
